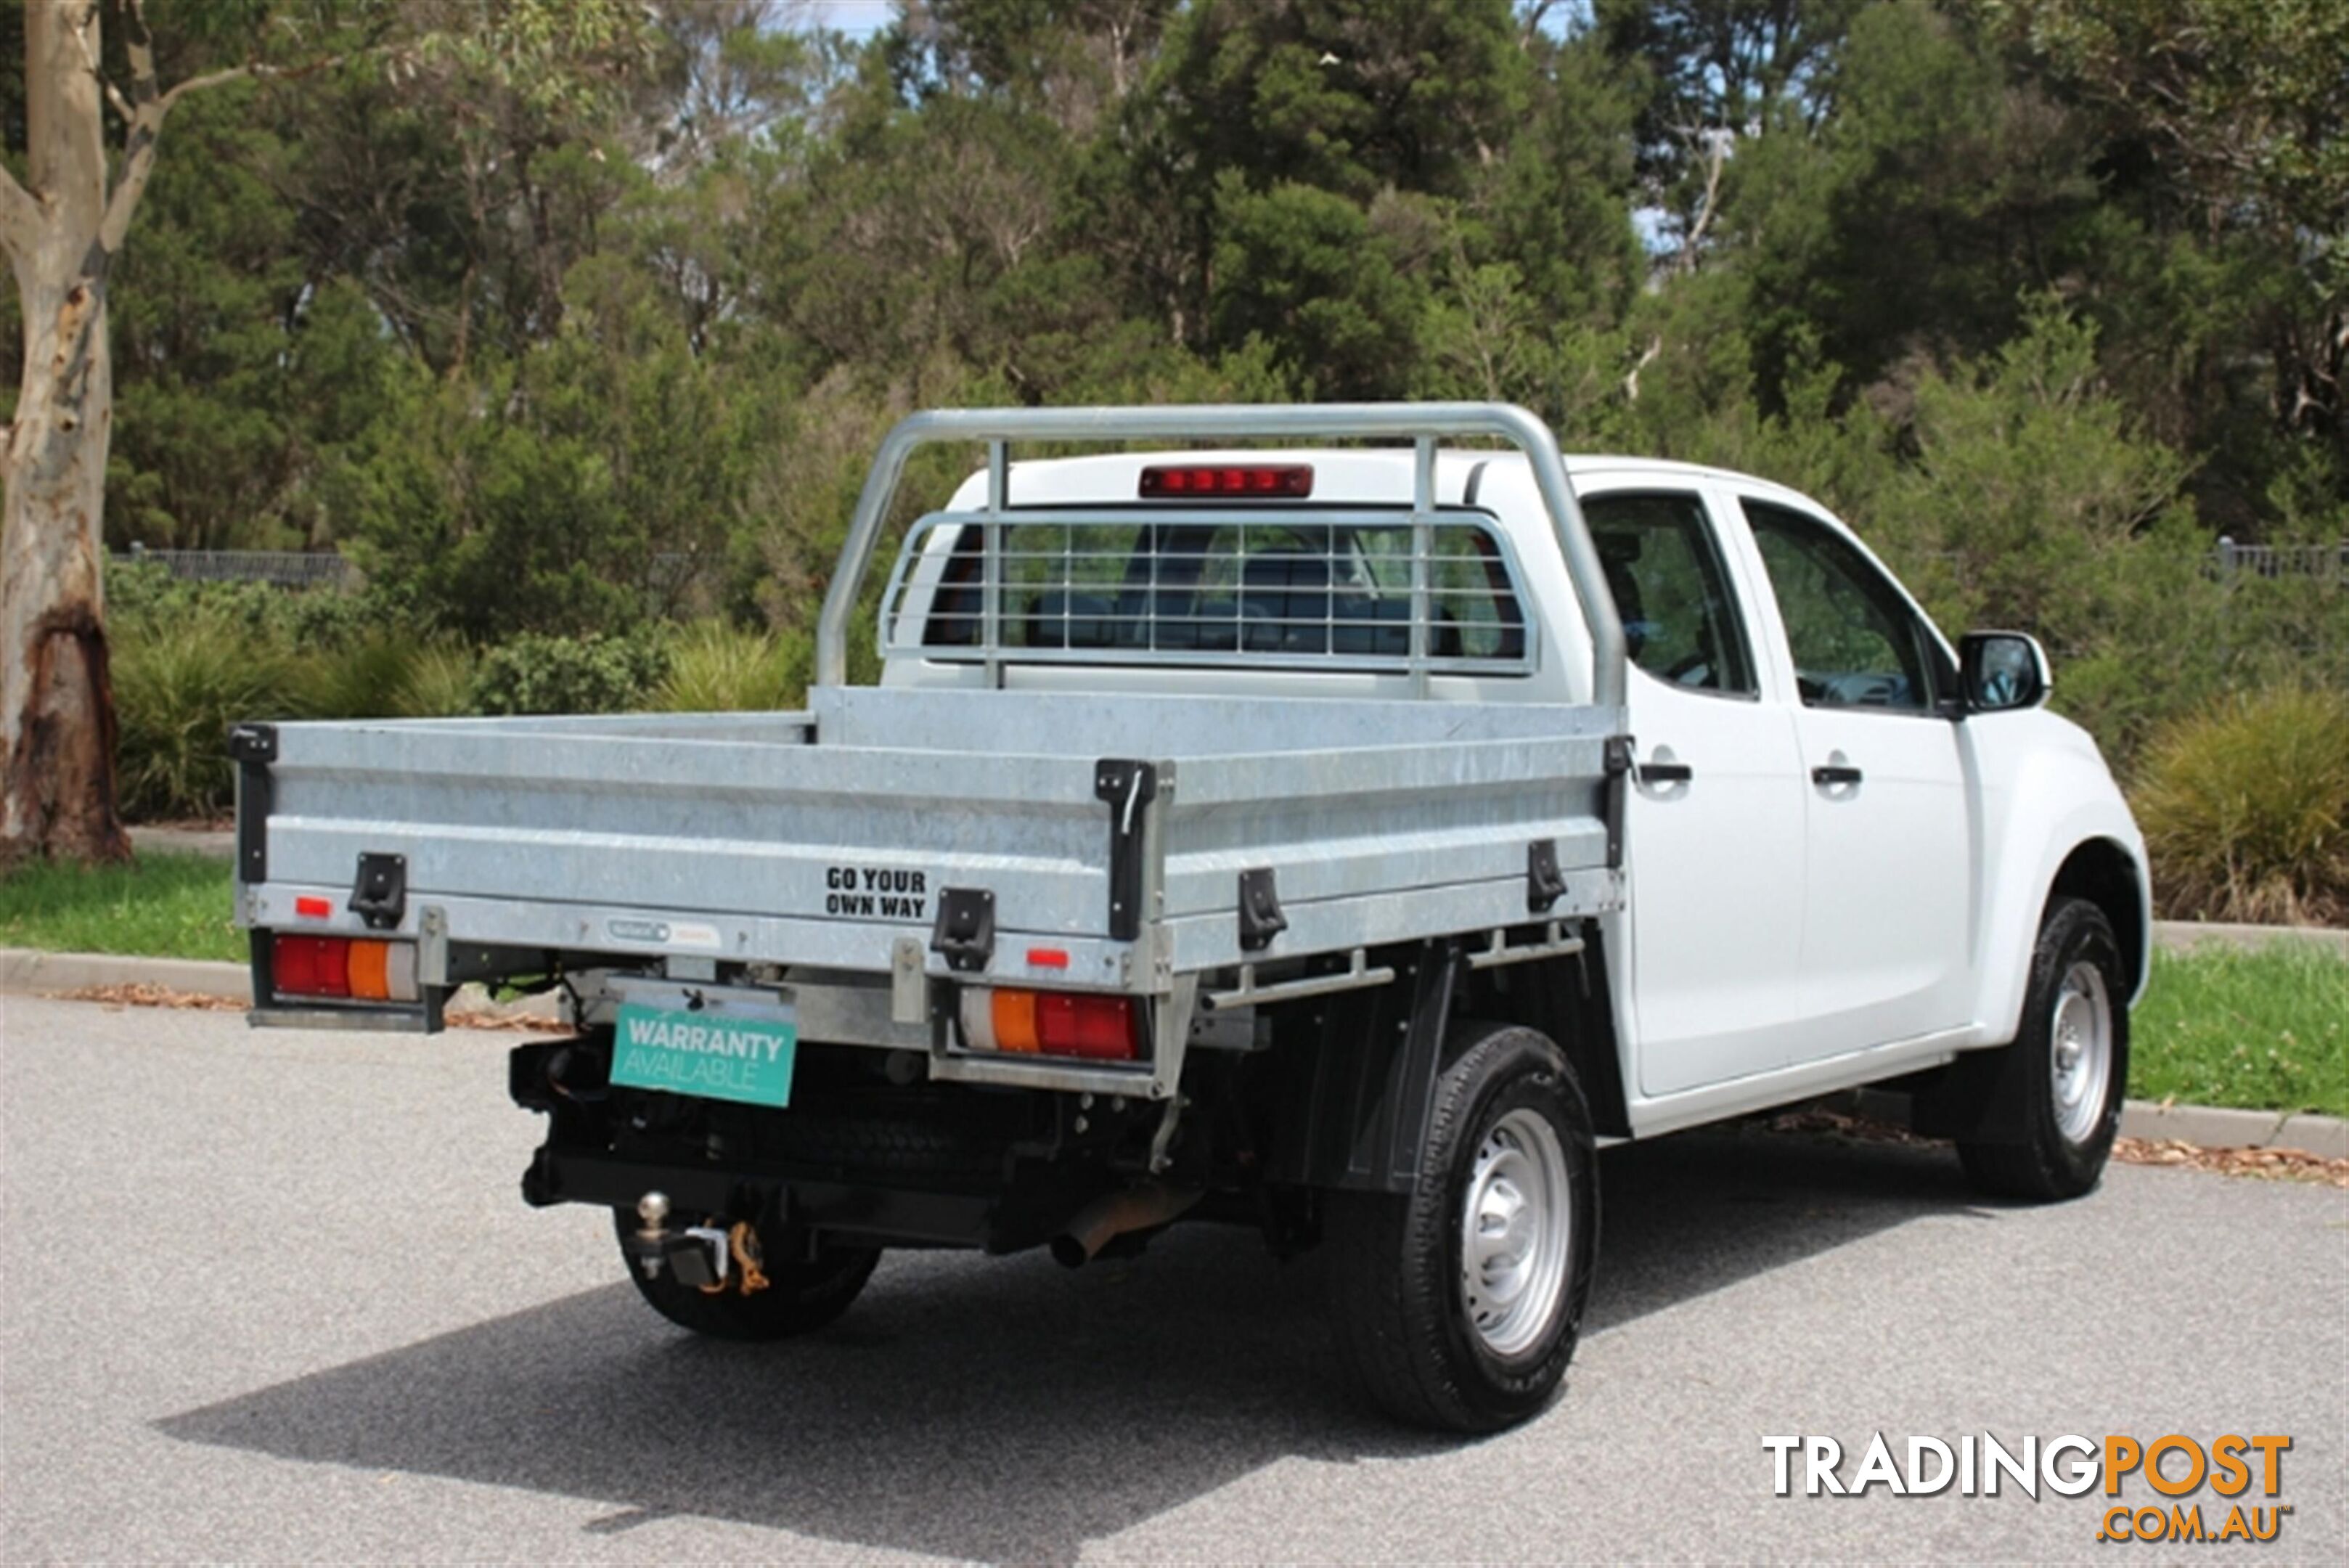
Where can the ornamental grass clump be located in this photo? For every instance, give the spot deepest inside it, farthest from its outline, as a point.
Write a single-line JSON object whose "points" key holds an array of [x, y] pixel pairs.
{"points": [[717, 668], [2245, 810], [178, 687]]}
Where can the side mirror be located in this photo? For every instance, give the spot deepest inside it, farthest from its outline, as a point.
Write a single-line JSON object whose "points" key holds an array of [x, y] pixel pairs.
{"points": [[2000, 671]]}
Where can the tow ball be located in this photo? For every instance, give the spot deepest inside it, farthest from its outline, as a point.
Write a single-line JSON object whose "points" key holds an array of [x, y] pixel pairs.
{"points": [[706, 1257]]}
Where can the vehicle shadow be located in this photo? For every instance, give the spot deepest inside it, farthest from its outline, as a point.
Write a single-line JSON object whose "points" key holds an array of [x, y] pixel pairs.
{"points": [[1006, 1409]]}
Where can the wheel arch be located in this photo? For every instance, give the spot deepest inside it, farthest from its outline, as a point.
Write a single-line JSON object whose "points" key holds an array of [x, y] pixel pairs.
{"points": [[1361, 1065], [2101, 868], [2106, 875]]}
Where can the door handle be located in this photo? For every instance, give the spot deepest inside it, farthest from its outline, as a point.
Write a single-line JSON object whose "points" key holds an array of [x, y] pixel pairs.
{"points": [[1665, 772], [1835, 774]]}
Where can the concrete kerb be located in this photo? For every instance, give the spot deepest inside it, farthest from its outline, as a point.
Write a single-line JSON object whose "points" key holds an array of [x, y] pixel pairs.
{"points": [[26, 972], [2184, 936]]}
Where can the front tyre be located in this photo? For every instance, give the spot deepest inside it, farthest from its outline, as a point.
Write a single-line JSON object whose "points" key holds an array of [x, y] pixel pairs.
{"points": [[1458, 1303], [801, 1295], [2054, 1103]]}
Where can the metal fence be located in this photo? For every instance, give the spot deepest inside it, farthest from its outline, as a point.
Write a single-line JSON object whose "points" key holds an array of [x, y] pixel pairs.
{"points": [[285, 568], [2329, 561]]}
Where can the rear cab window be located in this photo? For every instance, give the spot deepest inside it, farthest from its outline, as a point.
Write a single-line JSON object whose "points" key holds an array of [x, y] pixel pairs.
{"points": [[1302, 589]]}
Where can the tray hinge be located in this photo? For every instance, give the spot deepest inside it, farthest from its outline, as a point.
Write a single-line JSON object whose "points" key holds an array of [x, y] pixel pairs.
{"points": [[1260, 915], [964, 931], [379, 892], [1545, 883]]}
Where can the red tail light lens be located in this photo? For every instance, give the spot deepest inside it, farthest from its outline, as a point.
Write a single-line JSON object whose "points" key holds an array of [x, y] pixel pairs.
{"points": [[313, 966], [354, 967], [1053, 1023], [1223, 481], [1096, 1028]]}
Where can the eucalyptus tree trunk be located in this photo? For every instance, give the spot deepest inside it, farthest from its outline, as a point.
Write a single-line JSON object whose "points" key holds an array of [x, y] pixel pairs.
{"points": [[56, 704], [61, 230]]}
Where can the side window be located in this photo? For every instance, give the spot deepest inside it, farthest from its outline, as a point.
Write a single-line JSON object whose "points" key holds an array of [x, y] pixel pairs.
{"points": [[1855, 643], [1664, 570]]}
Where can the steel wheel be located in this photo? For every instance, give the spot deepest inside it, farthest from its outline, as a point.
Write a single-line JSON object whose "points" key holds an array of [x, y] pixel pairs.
{"points": [[1516, 1231], [2080, 1032], [1459, 1302]]}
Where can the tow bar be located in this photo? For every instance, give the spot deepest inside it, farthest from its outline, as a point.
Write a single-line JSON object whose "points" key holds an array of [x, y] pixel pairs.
{"points": [[701, 1256]]}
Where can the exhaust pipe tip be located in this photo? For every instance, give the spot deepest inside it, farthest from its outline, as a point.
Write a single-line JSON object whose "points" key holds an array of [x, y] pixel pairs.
{"points": [[1117, 1213]]}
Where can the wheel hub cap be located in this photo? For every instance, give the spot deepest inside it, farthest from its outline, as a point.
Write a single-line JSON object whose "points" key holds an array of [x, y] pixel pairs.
{"points": [[1514, 1233], [2080, 1031]]}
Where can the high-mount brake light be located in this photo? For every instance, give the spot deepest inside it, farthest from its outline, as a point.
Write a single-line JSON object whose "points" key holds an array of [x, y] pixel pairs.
{"points": [[1225, 481], [358, 968], [1082, 1025]]}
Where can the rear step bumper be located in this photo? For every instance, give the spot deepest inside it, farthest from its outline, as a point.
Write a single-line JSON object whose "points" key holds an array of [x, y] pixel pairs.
{"points": [[833, 1209]]}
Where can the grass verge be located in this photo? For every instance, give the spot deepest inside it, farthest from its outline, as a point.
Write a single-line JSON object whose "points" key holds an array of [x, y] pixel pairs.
{"points": [[159, 906], [2262, 1031]]}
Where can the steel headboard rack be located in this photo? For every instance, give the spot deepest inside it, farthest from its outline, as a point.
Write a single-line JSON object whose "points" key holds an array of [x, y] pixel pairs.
{"points": [[1424, 424]]}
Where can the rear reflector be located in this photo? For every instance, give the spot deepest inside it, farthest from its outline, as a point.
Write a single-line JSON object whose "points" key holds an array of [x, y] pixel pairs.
{"points": [[311, 908], [354, 967], [1052, 1023], [1291, 481]]}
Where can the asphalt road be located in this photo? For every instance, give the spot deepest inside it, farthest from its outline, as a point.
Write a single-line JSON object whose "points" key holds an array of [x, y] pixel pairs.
{"points": [[273, 1297]]}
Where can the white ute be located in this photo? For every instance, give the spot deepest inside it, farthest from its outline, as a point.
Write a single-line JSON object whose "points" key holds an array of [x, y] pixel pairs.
{"points": [[1338, 839]]}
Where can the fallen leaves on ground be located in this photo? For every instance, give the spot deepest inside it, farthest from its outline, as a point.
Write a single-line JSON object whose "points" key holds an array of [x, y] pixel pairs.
{"points": [[2267, 1164], [2270, 1164], [140, 994]]}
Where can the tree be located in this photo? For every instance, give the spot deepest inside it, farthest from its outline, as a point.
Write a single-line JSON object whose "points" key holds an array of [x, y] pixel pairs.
{"points": [[63, 226]]}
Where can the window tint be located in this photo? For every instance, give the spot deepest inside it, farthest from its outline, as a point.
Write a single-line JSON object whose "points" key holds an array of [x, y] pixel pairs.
{"points": [[1680, 623], [1855, 643]]}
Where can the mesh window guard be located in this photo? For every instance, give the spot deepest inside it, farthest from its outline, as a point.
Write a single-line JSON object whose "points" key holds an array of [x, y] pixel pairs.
{"points": [[1377, 590]]}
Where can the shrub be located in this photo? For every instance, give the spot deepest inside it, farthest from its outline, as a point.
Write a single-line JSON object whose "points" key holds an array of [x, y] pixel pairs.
{"points": [[2245, 810], [439, 682], [361, 679], [716, 667], [593, 674], [176, 690]]}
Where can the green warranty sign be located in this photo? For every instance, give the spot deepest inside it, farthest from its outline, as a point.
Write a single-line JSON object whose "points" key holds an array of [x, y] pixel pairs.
{"points": [[705, 1053]]}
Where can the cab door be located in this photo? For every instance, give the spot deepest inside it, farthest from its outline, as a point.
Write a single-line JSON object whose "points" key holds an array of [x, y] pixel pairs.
{"points": [[1890, 819], [1714, 813]]}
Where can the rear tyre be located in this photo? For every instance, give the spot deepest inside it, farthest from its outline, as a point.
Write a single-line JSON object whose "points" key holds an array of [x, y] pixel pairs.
{"points": [[800, 1297], [2053, 1106], [1458, 1303]]}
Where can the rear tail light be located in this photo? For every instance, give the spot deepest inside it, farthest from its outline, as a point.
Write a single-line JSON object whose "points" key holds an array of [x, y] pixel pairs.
{"points": [[1225, 481], [358, 968], [1088, 1027]]}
